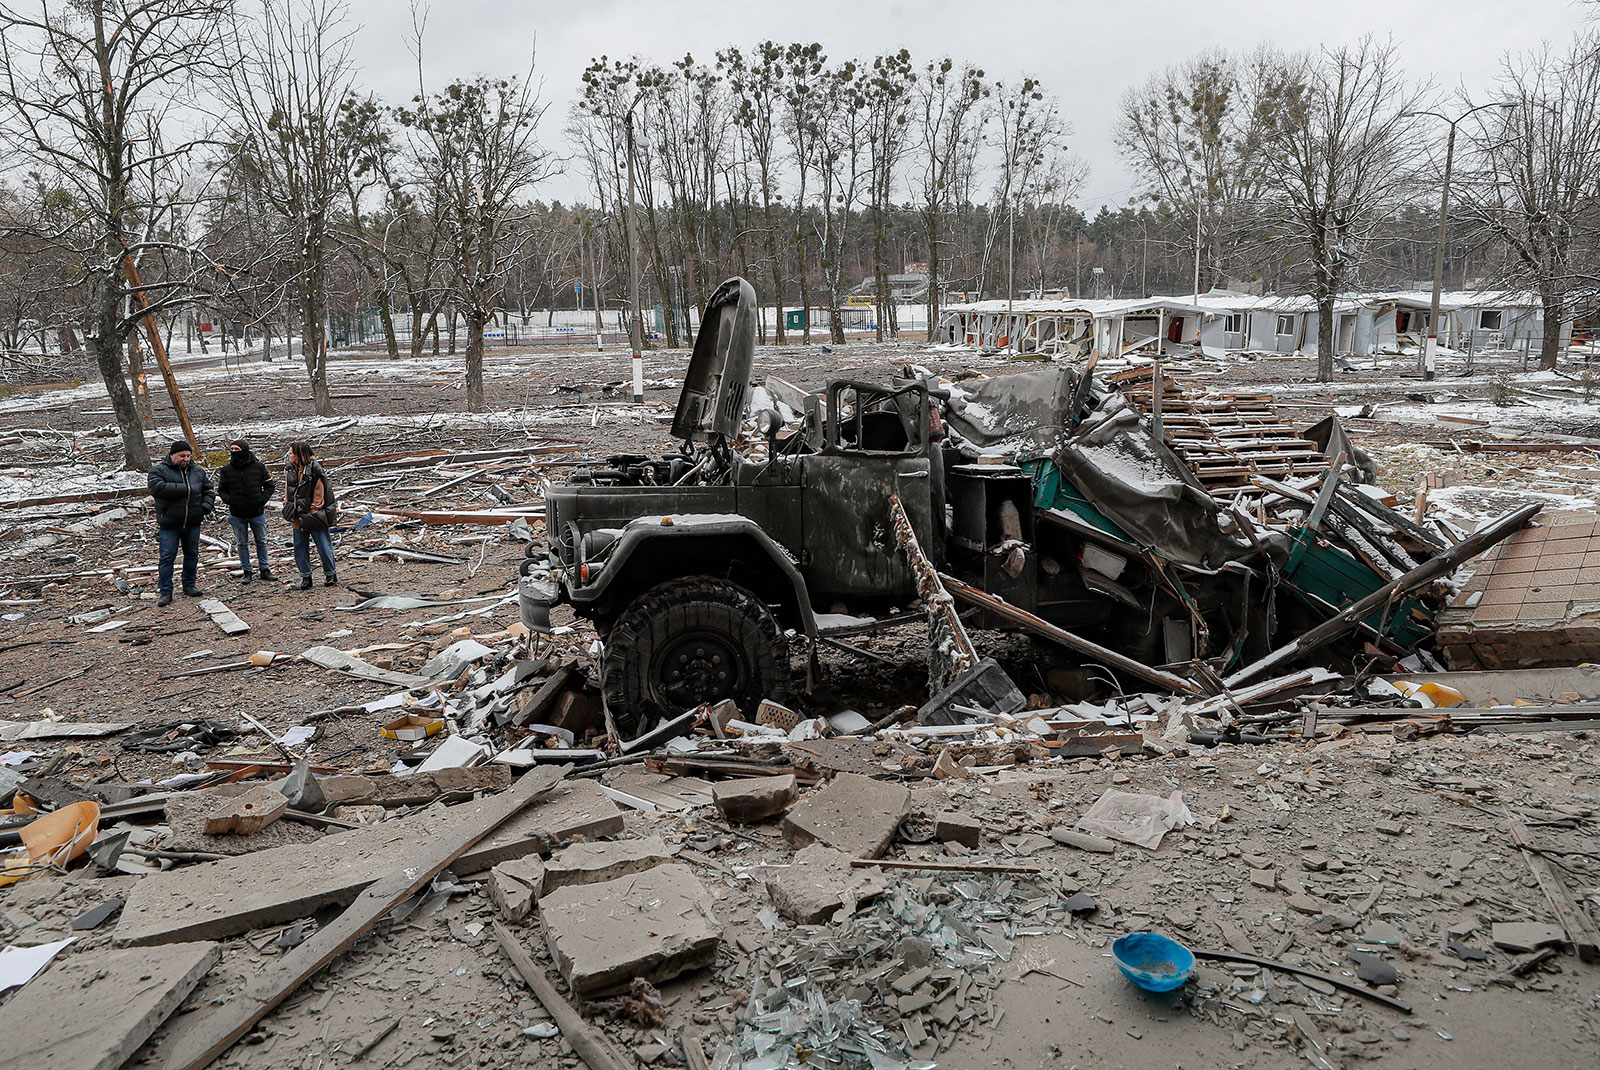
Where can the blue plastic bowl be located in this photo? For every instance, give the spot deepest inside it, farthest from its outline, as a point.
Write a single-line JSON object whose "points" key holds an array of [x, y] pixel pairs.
{"points": [[1153, 962]]}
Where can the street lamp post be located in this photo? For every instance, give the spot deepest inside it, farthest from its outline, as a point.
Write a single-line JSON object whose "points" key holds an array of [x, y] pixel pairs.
{"points": [[1430, 345]]}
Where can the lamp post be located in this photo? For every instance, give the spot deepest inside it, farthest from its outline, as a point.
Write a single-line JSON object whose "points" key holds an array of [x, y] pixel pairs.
{"points": [[1430, 345]]}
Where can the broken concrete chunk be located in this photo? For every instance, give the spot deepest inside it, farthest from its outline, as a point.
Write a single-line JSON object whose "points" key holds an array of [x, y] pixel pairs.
{"points": [[112, 1000], [1081, 903], [244, 815], [755, 798], [958, 828], [655, 925], [819, 882], [514, 886], [282, 884], [853, 813], [1373, 969], [1467, 953], [1264, 878], [591, 863], [1524, 936]]}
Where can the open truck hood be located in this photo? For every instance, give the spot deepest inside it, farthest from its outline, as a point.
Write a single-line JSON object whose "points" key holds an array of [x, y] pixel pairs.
{"points": [[715, 386]]}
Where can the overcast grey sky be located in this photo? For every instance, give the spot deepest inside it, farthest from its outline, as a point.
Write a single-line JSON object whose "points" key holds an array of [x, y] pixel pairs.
{"points": [[1085, 51]]}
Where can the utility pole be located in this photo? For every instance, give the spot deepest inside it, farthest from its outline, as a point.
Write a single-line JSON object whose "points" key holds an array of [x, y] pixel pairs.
{"points": [[1430, 345], [1197, 247], [154, 334], [636, 323]]}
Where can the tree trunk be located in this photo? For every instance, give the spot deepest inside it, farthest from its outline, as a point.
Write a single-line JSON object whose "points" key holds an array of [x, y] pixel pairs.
{"points": [[452, 327], [1325, 338], [137, 381], [933, 271], [386, 314], [777, 263], [108, 355], [1550, 343], [475, 401], [314, 347]]}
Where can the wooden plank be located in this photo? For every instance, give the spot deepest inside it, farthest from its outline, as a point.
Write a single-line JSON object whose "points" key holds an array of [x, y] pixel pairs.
{"points": [[225, 618], [1581, 931], [216, 1032], [590, 1044], [1021, 617]]}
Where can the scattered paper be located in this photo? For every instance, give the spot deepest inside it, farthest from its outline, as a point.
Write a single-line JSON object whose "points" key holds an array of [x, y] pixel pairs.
{"points": [[1141, 820], [297, 735], [19, 965]]}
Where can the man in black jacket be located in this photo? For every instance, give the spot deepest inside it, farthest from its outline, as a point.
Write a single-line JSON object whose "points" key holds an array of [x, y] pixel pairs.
{"points": [[247, 488], [184, 498]]}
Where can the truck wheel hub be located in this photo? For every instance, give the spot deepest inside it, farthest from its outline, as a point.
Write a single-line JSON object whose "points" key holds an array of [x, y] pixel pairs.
{"points": [[698, 669]]}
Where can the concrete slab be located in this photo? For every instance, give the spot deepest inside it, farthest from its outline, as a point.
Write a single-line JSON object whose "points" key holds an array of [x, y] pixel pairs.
{"points": [[854, 813], [656, 925], [279, 885], [92, 1011], [755, 798], [819, 882], [515, 886], [591, 863]]}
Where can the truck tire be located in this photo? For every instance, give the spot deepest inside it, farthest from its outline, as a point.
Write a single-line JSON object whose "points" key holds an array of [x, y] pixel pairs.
{"points": [[687, 642]]}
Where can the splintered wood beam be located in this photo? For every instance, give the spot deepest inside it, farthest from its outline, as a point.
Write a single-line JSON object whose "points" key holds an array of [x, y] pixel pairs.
{"points": [[1088, 648], [943, 620], [197, 1045], [1348, 618]]}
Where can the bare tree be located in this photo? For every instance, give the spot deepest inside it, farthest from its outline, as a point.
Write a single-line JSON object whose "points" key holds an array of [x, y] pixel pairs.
{"points": [[1534, 180], [477, 145], [82, 91], [950, 118], [1193, 136], [886, 99], [805, 70], [290, 73], [840, 133], [757, 83], [1339, 145], [1026, 124]]}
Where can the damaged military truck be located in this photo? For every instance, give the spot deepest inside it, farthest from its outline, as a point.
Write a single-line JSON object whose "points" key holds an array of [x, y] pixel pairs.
{"points": [[697, 568]]}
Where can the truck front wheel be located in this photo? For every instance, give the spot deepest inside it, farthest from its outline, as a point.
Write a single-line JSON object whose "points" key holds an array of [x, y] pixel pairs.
{"points": [[688, 642]]}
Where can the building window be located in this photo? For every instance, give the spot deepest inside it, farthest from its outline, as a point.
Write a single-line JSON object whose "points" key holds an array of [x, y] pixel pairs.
{"points": [[1285, 326], [1489, 319], [1231, 322]]}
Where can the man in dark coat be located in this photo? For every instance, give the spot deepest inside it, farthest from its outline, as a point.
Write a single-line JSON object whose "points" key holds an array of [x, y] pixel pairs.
{"points": [[247, 488], [184, 498]]}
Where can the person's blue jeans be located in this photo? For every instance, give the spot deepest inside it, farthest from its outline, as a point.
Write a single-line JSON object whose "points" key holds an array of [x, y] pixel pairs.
{"points": [[170, 540], [241, 537], [302, 551]]}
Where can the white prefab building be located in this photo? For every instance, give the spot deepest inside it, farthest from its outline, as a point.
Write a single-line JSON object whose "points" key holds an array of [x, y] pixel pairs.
{"points": [[1249, 323], [1071, 327], [1468, 319]]}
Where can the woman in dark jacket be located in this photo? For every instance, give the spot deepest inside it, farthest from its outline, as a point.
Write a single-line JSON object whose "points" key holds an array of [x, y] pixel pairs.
{"points": [[247, 488], [308, 505]]}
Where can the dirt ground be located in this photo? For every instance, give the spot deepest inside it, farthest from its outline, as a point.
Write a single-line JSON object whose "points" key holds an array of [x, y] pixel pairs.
{"points": [[1272, 822]]}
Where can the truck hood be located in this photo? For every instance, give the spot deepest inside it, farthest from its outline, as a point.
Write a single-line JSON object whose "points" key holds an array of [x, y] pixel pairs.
{"points": [[718, 379]]}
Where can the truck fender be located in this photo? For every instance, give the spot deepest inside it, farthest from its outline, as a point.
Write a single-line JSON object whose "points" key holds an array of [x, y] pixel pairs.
{"points": [[647, 530]]}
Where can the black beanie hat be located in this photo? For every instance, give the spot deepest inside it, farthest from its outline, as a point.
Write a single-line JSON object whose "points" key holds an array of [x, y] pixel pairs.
{"points": [[179, 447]]}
